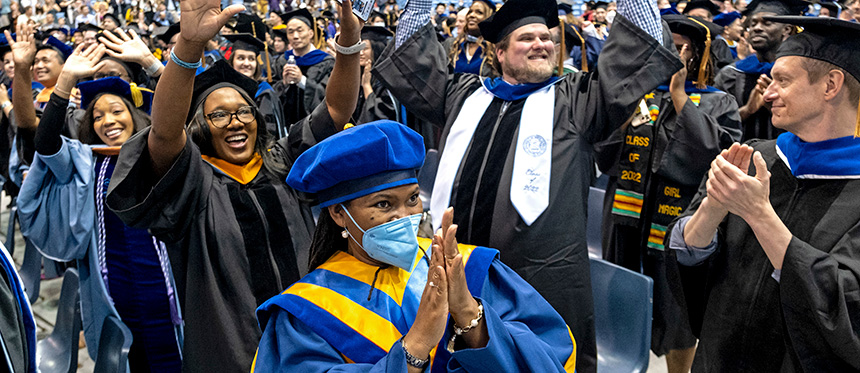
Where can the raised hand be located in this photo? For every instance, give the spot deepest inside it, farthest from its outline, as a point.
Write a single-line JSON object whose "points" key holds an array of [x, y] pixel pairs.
{"points": [[350, 26], [126, 46], [432, 316], [24, 47], [202, 19], [461, 304], [83, 62]]}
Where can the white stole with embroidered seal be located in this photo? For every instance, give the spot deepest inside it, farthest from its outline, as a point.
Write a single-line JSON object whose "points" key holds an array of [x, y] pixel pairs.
{"points": [[532, 160]]}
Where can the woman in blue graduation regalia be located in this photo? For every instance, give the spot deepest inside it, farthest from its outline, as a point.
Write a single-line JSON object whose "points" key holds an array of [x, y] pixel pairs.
{"points": [[378, 298], [125, 272]]}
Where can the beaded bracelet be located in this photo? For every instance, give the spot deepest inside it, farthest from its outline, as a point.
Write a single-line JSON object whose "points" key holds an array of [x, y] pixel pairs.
{"points": [[472, 325], [183, 64]]}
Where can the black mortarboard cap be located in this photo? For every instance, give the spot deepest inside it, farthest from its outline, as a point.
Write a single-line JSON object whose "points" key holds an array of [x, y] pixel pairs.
{"points": [[489, 3], [564, 9], [280, 32], [777, 7], [220, 74], [601, 5], [517, 13], [5, 46], [327, 14], [302, 14], [250, 24], [832, 6], [169, 33], [825, 39], [89, 27], [695, 28], [376, 33], [247, 42], [703, 4], [115, 19], [700, 32]]}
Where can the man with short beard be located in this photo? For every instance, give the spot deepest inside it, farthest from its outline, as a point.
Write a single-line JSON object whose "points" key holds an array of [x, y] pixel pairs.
{"points": [[748, 78], [516, 155]]}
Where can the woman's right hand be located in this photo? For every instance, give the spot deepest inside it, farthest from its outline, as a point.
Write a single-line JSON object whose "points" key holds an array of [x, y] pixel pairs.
{"points": [[202, 19], [432, 316]]}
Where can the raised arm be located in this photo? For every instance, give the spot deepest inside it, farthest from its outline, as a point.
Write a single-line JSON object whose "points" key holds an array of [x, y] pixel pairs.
{"points": [[82, 63], [23, 53], [201, 20], [342, 96], [129, 48], [415, 16], [643, 13]]}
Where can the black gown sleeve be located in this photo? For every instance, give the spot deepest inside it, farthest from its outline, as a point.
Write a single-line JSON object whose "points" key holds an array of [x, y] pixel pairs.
{"points": [[167, 206], [47, 140], [699, 134], [820, 296]]}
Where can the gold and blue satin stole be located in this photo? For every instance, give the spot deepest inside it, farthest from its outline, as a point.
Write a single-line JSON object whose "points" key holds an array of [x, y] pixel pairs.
{"points": [[333, 301]]}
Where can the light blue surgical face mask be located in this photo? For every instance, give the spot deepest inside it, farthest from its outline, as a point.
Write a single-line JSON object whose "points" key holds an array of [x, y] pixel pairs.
{"points": [[394, 243]]}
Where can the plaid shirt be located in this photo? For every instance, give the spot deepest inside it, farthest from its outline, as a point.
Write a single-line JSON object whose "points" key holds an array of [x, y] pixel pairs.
{"points": [[643, 13]]}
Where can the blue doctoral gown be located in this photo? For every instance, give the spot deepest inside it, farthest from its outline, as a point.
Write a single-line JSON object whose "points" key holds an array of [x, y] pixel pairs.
{"points": [[57, 213], [302, 332]]}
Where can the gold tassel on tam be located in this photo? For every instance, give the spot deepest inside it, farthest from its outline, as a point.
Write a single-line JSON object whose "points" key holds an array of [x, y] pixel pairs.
{"points": [[266, 50], [701, 80], [582, 50], [563, 49], [857, 126]]}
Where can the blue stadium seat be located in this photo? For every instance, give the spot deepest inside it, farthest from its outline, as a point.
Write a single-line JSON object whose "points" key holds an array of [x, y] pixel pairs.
{"points": [[595, 222], [623, 303], [58, 353], [114, 344]]}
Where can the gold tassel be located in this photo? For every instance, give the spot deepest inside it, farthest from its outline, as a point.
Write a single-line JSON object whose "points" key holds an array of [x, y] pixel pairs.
{"points": [[266, 50], [857, 126], [701, 81], [136, 94], [582, 49], [563, 50]]}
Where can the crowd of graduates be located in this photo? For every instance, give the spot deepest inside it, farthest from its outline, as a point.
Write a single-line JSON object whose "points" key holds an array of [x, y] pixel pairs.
{"points": [[238, 183]]}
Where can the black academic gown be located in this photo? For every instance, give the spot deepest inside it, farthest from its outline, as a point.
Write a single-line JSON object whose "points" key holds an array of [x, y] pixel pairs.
{"points": [[810, 319], [298, 102], [231, 246], [740, 84], [666, 170], [551, 253]]}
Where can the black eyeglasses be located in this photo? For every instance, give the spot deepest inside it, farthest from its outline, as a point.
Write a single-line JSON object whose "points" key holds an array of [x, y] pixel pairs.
{"points": [[222, 118]]}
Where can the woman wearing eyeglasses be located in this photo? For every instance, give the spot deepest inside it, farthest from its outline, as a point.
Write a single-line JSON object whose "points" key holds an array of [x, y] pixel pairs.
{"points": [[235, 232]]}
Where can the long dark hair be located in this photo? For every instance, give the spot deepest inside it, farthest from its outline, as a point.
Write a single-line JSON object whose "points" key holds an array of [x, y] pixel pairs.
{"points": [[327, 240], [198, 130], [86, 130]]}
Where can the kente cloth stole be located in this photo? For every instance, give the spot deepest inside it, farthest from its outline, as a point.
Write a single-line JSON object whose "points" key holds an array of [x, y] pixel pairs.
{"points": [[333, 301], [532, 160], [670, 199]]}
